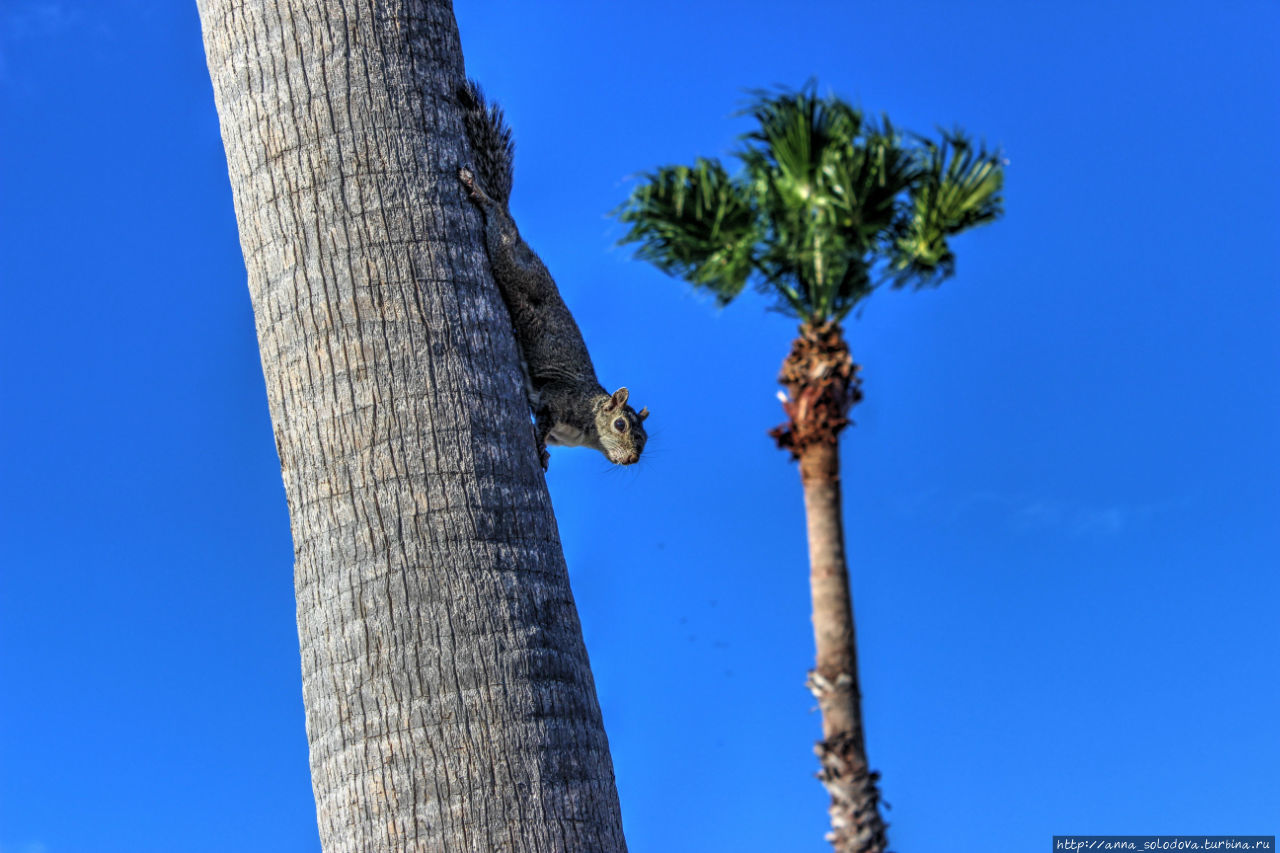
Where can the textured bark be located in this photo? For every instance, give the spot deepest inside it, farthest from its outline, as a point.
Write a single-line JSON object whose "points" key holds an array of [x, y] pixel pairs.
{"points": [[449, 703], [822, 384], [856, 825]]}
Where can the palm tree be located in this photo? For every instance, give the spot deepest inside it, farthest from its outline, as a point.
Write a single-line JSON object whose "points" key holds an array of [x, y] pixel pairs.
{"points": [[449, 701], [828, 206]]}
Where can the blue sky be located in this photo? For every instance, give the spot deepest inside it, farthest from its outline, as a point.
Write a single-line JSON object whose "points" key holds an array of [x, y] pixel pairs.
{"points": [[1061, 492]]}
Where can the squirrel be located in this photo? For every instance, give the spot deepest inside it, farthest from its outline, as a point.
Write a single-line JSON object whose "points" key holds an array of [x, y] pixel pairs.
{"points": [[570, 406]]}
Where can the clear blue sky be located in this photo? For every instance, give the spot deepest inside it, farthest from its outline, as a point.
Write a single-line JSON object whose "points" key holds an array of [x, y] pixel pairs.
{"points": [[1062, 491]]}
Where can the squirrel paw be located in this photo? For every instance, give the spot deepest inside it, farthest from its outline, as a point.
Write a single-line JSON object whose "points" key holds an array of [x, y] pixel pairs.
{"points": [[468, 179], [540, 442]]}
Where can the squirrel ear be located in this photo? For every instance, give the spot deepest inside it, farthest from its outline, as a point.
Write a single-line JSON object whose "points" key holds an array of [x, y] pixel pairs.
{"points": [[643, 413], [619, 399]]}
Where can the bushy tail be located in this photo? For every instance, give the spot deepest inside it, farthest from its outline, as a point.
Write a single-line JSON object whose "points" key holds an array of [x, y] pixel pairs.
{"points": [[491, 142]]}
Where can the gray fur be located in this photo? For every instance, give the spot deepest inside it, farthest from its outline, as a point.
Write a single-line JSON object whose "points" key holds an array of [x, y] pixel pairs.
{"points": [[491, 141], [570, 405]]}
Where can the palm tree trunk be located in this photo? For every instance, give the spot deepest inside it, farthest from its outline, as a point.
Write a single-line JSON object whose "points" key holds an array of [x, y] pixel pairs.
{"points": [[449, 702], [856, 825], [823, 385]]}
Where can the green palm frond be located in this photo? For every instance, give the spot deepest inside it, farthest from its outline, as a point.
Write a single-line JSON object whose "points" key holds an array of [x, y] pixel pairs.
{"points": [[958, 188], [695, 223], [798, 135], [867, 181], [828, 182]]}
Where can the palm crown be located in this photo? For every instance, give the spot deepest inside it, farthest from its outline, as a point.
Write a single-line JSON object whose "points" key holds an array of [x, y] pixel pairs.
{"points": [[829, 205]]}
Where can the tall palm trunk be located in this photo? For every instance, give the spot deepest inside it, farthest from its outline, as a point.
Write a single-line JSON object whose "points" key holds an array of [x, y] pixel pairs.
{"points": [[449, 703], [822, 384]]}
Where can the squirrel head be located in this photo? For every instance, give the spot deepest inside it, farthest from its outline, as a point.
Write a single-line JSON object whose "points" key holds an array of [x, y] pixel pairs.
{"points": [[620, 427]]}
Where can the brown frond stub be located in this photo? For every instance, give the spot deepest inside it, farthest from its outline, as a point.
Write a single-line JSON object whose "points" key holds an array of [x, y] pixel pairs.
{"points": [[822, 385]]}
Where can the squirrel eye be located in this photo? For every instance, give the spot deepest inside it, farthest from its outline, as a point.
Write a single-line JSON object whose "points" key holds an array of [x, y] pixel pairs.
{"points": [[620, 425]]}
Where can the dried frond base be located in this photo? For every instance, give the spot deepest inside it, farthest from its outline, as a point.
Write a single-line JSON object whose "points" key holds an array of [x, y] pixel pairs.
{"points": [[856, 825], [822, 386]]}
